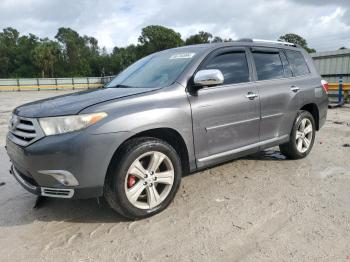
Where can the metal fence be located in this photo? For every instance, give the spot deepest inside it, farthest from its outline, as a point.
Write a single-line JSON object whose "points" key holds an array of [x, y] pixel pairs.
{"points": [[26, 84]]}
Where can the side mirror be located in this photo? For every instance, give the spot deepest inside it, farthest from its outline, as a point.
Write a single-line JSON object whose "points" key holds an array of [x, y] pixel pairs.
{"points": [[208, 77]]}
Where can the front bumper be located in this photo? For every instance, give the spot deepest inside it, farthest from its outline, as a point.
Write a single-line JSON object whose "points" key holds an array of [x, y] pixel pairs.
{"points": [[35, 189], [32, 187], [86, 156]]}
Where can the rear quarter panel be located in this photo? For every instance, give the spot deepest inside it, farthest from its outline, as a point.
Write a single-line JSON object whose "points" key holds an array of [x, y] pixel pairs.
{"points": [[313, 92]]}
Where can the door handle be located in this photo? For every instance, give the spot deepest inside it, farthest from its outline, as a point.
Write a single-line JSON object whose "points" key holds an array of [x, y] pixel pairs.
{"points": [[251, 95], [294, 89]]}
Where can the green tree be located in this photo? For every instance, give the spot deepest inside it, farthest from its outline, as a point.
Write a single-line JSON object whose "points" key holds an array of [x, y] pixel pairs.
{"points": [[155, 38], [74, 49], [296, 39], [217, 39], [97, 59], [8, 51], [45, 56], [71, 54], [200, 38], [25, 65], [123, 57]]}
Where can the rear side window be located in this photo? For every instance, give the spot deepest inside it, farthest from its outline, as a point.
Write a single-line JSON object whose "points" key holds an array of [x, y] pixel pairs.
{"points": [[234, 67], [268, 65], [298, 63], [286, 66]]}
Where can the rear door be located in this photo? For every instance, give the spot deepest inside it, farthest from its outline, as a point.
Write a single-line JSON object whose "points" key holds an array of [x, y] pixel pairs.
{"points": [[278, 96], [225, 117]]}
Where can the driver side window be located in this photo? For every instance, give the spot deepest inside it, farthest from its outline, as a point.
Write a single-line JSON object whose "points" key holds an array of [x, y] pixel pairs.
{"points": [[233, 65]]}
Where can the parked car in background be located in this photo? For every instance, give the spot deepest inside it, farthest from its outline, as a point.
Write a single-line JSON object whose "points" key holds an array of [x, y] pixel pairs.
{"points": [[168, 114]]}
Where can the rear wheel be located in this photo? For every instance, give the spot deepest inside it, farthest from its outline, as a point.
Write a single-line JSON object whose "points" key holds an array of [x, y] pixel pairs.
{"points": [[145, 179], [301, 138]]}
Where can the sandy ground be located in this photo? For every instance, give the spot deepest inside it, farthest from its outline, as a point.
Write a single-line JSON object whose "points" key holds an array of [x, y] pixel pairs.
{"points": [[259, 208]]}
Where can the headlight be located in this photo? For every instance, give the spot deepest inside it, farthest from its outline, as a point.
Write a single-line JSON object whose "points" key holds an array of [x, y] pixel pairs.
{"points": [[65, 124]]}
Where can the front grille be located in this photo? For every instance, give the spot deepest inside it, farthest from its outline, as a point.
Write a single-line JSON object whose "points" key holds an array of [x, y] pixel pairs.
{"points": [[24, 130], [57, 192]]}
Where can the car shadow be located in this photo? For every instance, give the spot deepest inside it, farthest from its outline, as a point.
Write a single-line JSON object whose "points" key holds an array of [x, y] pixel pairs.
{"points": [[60, 210], [268, 154]]}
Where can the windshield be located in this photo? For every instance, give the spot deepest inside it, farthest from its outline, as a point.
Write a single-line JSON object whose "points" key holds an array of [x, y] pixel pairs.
{"points": [[156, 70]]}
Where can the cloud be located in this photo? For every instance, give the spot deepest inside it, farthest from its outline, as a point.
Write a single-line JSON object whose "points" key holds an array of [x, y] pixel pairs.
{"points": [[325, 24], [323, 2]]}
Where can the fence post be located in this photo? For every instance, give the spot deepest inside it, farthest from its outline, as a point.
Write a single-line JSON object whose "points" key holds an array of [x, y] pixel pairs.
{"points": [[340, 90], [18, 87], [56, 83], [88, 82], [37, 83], [73, 83]]}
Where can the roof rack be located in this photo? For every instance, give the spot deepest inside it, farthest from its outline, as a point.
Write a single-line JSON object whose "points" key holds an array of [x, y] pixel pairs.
{"points": [[266, 41], [273, 42]]}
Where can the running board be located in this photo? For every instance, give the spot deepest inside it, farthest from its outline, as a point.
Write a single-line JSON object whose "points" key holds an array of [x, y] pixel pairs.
{"points": [[242, 149]]}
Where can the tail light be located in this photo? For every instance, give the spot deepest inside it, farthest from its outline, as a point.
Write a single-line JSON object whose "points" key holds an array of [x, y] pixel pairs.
{"points": [[324, 85]]}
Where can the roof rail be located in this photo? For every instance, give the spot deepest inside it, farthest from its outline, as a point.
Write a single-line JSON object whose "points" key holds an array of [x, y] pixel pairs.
{"points": [[265, 41], [274, 42]]}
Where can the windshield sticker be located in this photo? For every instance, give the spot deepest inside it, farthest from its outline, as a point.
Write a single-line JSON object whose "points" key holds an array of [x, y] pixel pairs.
{"points": [[182, 56]]}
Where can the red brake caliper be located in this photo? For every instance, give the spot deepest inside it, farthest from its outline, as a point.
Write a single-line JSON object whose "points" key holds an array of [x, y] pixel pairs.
{"points": [[131, 181]]}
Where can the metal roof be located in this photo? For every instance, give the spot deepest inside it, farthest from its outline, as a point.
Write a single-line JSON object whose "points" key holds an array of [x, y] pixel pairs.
{"points": [[331, 53], [333, 64]]}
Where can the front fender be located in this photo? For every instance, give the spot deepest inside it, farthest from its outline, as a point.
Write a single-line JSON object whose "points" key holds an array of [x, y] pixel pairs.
{"points": [[166, 109]]}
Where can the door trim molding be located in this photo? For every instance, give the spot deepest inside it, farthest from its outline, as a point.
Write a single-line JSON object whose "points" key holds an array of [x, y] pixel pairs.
{"points": [[241, 149], [232, 124], [272, 116]]}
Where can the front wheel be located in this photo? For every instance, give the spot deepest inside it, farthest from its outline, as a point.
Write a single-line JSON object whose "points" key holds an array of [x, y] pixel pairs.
{"points": [[301, 138], [145, 179]]}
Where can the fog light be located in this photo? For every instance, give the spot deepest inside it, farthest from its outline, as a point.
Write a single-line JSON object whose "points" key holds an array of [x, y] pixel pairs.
{"points": [[64, 177]]}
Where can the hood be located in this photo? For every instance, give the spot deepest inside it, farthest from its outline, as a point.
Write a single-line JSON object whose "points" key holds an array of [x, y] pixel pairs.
{"points": [[73, 103]]}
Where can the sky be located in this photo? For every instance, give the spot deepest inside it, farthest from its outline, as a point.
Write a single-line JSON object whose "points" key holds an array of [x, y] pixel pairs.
{"points": [[325, 24]]}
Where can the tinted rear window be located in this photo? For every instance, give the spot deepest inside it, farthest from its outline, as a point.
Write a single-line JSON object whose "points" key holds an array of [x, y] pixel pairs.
{"points": [[298, 63], [234, 67], [268, 65], [286, 66]]}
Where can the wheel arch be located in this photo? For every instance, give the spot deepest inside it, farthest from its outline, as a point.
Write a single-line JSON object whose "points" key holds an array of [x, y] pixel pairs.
{"points": [[312, 108], [169, 135]]}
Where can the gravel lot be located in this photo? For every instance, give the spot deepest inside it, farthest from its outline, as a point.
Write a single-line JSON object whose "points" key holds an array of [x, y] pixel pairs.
{"points": [[258, 208]]}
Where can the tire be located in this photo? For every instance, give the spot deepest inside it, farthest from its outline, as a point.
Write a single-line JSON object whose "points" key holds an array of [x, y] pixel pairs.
{"points": [[292, 149], [133, 178]]}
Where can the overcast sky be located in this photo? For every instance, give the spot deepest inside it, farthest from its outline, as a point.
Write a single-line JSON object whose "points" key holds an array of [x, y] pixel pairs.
{"points": [[324, 23]]}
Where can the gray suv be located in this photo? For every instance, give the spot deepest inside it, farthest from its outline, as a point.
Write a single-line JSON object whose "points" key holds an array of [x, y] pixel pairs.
{"points": [[168, 114]]}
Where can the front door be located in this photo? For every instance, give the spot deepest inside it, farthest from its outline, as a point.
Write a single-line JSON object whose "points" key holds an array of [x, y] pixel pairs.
{"points": [[225, 117]]}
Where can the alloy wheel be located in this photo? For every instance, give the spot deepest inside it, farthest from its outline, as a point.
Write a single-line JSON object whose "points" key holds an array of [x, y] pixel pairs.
{"points": [[149, 180], [304, 135]]}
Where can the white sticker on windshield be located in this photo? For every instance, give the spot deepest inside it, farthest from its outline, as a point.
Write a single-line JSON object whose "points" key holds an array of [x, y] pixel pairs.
{"points": [[182, 56]]}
